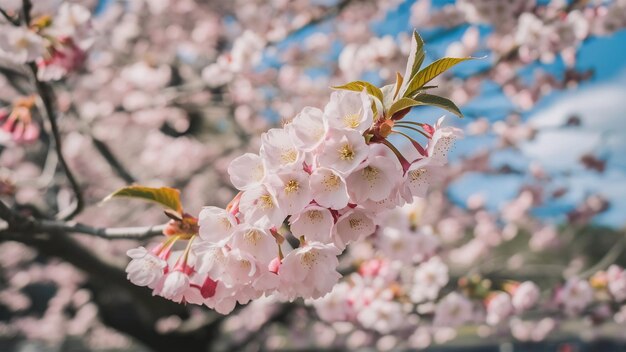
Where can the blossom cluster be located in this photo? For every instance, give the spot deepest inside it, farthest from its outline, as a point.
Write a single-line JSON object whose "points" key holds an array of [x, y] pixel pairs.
{"points": [[57, 44], [329, 175], [403, 286]]}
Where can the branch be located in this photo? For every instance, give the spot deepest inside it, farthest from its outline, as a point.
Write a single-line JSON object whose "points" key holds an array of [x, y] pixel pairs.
{"points": [[12, 20], [115, 164], [44, 92], [608, 259], [30, 226], [115, 233], [122, 306]]}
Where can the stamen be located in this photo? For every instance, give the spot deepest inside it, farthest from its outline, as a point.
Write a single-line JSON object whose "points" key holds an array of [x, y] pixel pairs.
{"points": [[351, 120], [289, 156], [292, 186], [370, 173], [346, 152], [266, 201]]}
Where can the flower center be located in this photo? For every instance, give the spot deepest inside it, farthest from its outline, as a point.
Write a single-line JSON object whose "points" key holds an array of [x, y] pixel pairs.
{"points": [[370, 173], [289, 156], [351, 120], [346, 152], [308, 259], [314, 215], [331, 181], [355, 223], [252, 236], [292, 186], [266, 201]]}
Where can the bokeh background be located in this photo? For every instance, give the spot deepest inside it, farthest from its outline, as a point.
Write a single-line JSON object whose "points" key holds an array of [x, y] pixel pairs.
{"points": [[173, 90]]}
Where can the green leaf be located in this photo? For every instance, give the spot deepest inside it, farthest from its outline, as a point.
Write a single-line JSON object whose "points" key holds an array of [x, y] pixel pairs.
{"points": [[441, 102], [387, 96], [416, 56], [358, 86], [413, 65], [402, 104], [431, 71], [398, 85], [166, 196]]}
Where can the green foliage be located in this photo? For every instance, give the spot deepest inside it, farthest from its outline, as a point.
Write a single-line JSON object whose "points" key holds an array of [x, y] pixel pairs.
{"points": [[401, 104], [166, 196], [358, 86], [416, 57], [430, 72], [441, 102], [408, 90]]}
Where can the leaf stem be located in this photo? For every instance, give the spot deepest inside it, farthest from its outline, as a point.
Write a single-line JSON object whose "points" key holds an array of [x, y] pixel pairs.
{"points": [[414, 129], [415, 144], [405, 164]]}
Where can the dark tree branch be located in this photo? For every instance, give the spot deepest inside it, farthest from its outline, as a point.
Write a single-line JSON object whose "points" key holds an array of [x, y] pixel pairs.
{"points": [[45, 93], [12, 20], [115, 164], [122, 306], [135, 233], [30, 226]]}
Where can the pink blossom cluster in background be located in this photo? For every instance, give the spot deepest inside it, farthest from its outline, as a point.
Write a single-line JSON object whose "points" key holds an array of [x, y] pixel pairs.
{"points": [[331, 239]]}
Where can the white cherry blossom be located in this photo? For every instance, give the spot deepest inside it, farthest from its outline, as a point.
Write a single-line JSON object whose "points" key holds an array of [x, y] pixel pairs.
{"points": [[145, 268], [352, 226], [329, 189], [279, 151], [429, 278], [309, 271], [261, 207], [374, 179], [20, 44], [349, 110], [292, 190], [315, 223], [453, 310], [246, 171], [215, 224], [343, 151], [257, 242], [308, 129]]}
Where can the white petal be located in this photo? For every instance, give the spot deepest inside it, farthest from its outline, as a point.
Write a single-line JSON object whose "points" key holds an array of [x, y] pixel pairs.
{"points": [[314, 223], [246, 171], [329, 189]]}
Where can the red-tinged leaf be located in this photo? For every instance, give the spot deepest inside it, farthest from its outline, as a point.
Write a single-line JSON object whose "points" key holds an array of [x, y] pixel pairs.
{"points": [[166, 196]]}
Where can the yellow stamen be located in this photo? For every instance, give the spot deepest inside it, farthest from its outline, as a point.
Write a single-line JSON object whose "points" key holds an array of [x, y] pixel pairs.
{"points": [[292, 186], [346, 152]]}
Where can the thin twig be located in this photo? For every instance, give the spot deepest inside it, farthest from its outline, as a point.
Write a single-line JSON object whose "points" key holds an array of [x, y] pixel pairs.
{"points": [[112, 160], [44, 93], [607, 260], [12, 20]]}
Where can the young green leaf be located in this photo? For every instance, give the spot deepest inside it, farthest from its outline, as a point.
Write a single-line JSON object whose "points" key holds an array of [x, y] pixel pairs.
{"points": [[441, 102], [358, 86], [416, 56], [431, 71], [398, 85], [166, 196], [387, 96], [402, 104]]}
